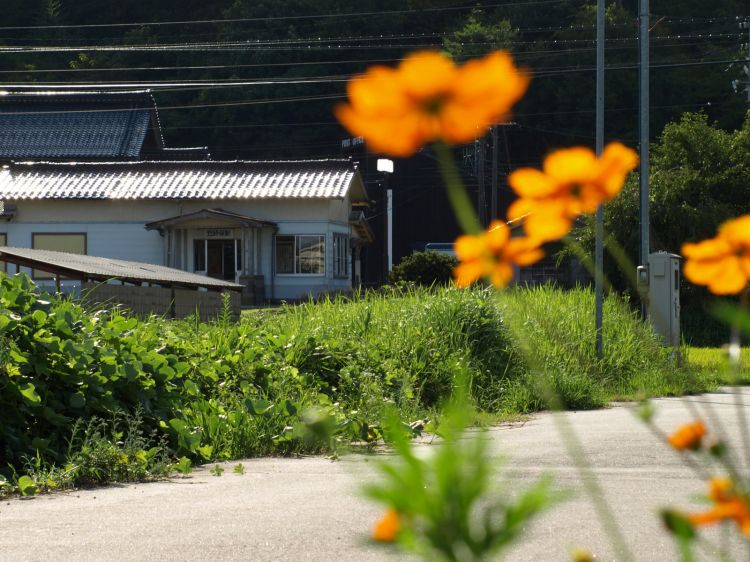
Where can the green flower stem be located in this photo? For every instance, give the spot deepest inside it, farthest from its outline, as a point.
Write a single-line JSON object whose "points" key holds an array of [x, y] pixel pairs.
{"points": [[454, 187]]}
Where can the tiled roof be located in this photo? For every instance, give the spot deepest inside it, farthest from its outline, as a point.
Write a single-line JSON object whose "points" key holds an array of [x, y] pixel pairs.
{"points": [[74, 124], [92, 267], [302, 179]]}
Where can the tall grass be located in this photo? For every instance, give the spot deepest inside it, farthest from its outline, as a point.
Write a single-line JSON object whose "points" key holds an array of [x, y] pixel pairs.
{"points": [[558, 332], [410, 346], [227, 390]]}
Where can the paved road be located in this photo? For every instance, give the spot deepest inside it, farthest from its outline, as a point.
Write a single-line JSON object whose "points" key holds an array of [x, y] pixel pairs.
{"points": [[310, 509]]}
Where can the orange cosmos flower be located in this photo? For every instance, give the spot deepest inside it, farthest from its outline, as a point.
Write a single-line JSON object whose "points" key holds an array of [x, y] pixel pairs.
{"points": [[572, 182], [721, 263], [427, 98], [387, 527], [688, 436], [492, 254], [728, 505]]}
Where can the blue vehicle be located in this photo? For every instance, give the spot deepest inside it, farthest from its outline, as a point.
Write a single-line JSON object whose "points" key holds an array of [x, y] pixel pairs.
{"points": [[444, 247]]}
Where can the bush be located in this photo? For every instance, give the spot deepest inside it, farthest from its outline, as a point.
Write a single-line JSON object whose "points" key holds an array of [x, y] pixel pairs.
{"points": [[425, 269], [227, 390]]}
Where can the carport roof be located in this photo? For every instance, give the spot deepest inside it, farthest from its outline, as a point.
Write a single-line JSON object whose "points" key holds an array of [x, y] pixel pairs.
{"points": [[84, 267]]}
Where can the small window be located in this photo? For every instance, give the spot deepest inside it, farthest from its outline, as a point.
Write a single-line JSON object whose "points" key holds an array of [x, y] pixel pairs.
{"points": [[340, 256], [73, 243], [301, 255]]}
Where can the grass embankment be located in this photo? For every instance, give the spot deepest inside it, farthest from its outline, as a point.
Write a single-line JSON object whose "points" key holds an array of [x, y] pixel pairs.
{"points": [[713, 362], [299, 380]]}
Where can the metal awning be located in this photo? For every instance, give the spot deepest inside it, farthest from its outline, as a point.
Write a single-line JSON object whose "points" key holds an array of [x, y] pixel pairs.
{"points": [[84, 268]]}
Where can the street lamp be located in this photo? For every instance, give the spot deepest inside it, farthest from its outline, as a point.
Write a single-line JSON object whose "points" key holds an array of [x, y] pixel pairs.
{"points": [[385, 165]]}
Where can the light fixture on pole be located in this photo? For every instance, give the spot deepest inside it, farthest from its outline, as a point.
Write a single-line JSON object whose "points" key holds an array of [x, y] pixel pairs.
{"points": [[386, 166]]}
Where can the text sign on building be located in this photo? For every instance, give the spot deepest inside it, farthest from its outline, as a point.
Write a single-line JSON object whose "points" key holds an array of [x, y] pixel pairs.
{"points": [[216, 233]]}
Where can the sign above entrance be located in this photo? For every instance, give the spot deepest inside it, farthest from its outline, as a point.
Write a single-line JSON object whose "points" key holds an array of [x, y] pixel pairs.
{"points": [[215, 233]]}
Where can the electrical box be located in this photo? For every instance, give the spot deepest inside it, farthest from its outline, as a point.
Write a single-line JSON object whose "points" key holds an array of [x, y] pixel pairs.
{"points": [[663, 294]]}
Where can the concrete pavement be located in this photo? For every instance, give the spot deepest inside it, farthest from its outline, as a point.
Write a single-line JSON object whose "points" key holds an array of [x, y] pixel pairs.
{"points": [[311, 508]]}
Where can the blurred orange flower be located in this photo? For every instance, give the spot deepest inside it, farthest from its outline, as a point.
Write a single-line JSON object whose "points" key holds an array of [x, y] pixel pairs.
{"points": [[387, 527], [728, 505], [721, 263], [688, 436], [492, 254], [427, 98], [573, 181]]}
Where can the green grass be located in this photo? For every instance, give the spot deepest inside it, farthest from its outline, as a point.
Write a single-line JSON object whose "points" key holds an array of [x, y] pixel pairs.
{"points": [[714, 362], [303, 379], [517, 346]]}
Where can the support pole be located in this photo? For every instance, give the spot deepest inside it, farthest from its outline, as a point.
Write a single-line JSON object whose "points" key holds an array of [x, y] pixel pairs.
{"points": [[389, 206], [599, 233], [481, 203], [493, 178], [644, 130]]}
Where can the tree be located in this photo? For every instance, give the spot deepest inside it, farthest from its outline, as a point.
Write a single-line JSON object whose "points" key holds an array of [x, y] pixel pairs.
{"points": [[700, 177], [478, 36]]}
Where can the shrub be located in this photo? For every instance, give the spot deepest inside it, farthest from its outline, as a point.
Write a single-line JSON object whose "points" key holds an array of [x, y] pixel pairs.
{"points": [[425, 269]]}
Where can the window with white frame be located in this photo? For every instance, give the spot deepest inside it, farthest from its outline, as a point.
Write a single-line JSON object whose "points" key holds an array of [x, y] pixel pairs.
{"points": [[340, 255], [301, 254]]}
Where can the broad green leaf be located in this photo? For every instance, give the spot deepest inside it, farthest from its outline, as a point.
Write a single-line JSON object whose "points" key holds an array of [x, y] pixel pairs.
{"points": [[39, 316], [191, 388], [28, 391], [17, 357], [27, 486]]}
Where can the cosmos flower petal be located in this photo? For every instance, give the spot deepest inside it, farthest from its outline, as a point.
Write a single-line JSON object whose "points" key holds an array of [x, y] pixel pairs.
{"points": [[501, 274], [529, 182], [730, 279], [431, 99], [721, 263], [543, 225], [469, 272], [497, 236], [571, 166], [426, 75], [468, 247]]}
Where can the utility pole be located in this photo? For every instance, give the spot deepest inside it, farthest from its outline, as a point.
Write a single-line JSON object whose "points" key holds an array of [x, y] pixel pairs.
{"points": [[746, 26], [494, 196], [599, 229], [481, 203], [643, 112]]}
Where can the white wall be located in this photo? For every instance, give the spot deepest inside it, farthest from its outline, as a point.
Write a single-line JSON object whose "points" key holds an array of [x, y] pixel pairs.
{"points": [[115, 229]]}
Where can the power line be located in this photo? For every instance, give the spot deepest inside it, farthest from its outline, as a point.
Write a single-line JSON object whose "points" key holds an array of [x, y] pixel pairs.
{"points": [[205, 85], [315, 44], [284, 18]]}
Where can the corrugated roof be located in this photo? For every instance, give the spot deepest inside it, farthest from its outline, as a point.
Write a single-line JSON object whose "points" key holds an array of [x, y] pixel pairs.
{"points": [[74, 124], [92, 267], [303, 179]]}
